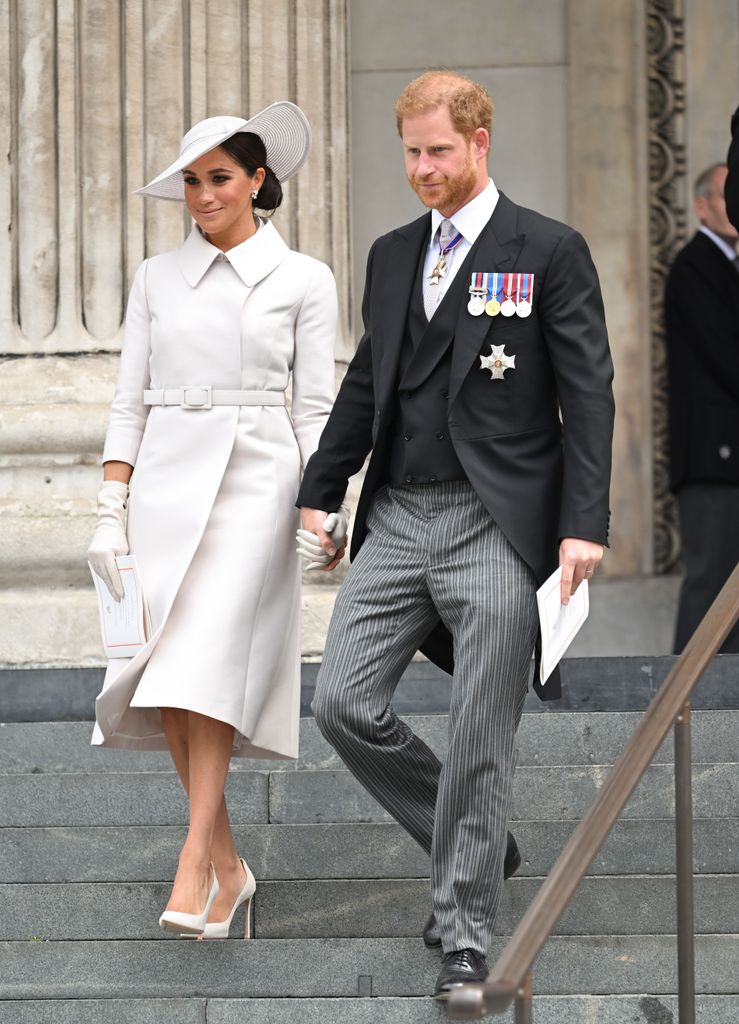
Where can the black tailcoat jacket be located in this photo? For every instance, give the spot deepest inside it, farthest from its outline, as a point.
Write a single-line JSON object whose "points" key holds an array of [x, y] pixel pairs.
{"points": [[540, 476], [702, 329]]}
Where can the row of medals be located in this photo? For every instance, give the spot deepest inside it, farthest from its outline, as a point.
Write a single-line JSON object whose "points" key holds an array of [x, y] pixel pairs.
{"points": [[478, 304]]}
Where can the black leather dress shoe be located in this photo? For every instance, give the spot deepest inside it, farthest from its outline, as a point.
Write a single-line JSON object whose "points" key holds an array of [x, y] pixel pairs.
{"points": [[457, 968], [511, 864]]}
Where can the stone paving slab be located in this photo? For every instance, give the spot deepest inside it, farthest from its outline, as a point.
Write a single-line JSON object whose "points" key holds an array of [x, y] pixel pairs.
{"points": [[311, 797], [107, 1011], [589, 684], [146, 798], [576, 738], [640, 1009], [364, 850], [548, 794], [338, 967], [622, 905], [644, 1009]]}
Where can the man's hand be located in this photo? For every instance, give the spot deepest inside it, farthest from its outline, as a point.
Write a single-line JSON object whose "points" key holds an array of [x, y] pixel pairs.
{"points": [[313, 530], [579, 560]]}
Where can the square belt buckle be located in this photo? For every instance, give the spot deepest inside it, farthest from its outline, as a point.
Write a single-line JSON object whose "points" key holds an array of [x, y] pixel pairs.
{"points": [[197, 396]]}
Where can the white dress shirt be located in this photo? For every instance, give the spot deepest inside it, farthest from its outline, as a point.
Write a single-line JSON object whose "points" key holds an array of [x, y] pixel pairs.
{"points": [[467, 221]]}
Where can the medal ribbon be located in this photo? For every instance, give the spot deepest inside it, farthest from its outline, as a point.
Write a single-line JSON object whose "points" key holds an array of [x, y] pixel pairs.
{"points": [[451, 245]]}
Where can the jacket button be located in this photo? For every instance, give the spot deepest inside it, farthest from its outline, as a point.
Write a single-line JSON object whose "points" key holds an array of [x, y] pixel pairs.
{"points": [[440, 436], [407, 437], [445, 394], [409, 479], [724, 451], [378, 413], [432, 478]]}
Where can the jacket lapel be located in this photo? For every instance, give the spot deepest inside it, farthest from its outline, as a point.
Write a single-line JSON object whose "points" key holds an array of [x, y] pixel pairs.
{"points": [[390, 307], [496, 249]]}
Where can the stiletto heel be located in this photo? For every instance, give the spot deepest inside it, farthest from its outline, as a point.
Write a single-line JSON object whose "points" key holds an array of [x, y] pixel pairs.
{"points": [[219, 930], [247, 919], [190, 924]]}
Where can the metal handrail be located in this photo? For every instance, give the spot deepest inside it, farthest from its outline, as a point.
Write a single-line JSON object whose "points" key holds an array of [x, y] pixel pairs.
{"points": [[510, 978]]}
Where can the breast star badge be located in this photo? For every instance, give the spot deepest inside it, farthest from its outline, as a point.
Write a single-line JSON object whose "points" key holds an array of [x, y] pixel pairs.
{"points": [[497, 362]]}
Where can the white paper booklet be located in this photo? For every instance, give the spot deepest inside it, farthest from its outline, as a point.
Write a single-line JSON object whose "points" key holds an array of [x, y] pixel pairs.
{"points": [[124, 624], [559, 622]]}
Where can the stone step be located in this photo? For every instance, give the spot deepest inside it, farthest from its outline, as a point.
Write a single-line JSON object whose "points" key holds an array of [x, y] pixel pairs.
{"points": [[544, 794], [377, 908], [355, 850], [300, 968], [576, 738], [590, 684], [146, 798], [383, 1010], [312, 797]]}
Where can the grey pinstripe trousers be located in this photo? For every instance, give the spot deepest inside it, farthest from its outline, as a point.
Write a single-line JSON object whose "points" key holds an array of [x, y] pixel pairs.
{"points": [[433, 551]]}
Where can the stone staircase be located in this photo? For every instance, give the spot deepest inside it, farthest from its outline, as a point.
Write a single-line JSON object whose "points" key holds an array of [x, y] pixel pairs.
{"points": [[89, 840]]}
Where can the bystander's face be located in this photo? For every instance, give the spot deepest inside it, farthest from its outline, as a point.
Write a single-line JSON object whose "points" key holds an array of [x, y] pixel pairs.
{"points": [[445, 169], [711, 209], [218, 197]]}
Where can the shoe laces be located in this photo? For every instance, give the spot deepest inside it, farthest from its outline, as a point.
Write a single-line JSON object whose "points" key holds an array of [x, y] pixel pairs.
{"points": [[465, 959]]}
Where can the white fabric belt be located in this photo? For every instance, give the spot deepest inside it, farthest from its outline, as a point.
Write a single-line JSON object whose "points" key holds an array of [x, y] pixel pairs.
{"points": [[203, 396]]}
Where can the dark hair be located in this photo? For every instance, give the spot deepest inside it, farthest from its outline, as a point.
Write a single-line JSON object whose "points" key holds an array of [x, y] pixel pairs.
{"points": [[247, 149]]}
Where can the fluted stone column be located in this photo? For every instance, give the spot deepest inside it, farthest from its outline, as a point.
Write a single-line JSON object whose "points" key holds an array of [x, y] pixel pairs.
{"points": [[94, 97]]}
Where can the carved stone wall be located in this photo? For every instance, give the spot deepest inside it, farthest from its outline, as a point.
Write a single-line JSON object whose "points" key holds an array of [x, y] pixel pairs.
{"points": [[94, 98], [667, 232]]}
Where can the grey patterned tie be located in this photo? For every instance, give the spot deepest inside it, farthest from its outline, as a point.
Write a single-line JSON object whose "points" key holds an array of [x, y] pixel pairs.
{"points": [[432, 292]]}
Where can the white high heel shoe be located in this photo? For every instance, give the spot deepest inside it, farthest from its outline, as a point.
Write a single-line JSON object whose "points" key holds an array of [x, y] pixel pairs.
{"points": [[190, 924], [219, 929]]}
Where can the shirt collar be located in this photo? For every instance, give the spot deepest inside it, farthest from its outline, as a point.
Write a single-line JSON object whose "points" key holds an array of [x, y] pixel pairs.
{"points": [[472, 218], [252, 260], [725, 248]]}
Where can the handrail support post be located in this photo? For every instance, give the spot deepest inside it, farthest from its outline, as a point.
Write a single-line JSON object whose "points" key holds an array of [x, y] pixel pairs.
{"points": [[684, 868], [523, 1012]]}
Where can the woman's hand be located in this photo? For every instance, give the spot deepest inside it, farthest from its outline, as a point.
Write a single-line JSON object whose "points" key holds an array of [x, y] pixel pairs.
{"points": [[322, 540], [110, 538]]}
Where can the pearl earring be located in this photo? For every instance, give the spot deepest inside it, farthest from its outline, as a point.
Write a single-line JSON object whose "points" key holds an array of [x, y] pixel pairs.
{"points": [[254, 194]]}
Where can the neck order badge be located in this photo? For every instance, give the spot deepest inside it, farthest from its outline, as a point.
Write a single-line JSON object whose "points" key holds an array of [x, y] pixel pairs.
{"points": [[441, 266]]}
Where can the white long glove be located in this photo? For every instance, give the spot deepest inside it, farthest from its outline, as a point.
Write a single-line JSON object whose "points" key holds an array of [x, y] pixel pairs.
{"points": [[109, 538], [309, 546]]}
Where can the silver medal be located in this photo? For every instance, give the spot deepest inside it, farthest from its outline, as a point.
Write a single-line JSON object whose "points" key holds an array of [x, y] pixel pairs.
{"points": [[523, 308], [508, 308], [476, 305]]}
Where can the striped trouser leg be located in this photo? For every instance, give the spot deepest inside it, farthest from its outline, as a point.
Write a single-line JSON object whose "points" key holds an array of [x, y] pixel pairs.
{"points": [[382, 613], [485, 594]]}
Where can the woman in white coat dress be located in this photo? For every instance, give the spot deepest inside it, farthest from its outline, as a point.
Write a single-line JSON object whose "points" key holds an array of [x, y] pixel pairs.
{"points": [[199, 428]]}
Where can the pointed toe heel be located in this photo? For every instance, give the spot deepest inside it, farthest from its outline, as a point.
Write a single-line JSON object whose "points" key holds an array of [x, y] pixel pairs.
{"points": [[192, 925]]}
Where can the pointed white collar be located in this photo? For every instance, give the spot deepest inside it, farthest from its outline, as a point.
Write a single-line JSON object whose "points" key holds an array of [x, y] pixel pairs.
{"points": [[472, 218], [252, 260]]}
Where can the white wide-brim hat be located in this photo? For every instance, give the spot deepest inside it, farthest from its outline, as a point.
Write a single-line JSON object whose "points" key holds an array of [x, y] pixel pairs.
{"points": [[282, 127]]}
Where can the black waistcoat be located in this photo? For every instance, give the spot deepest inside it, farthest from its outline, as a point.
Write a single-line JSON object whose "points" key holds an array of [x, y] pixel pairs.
{"points": [[422, 451]]}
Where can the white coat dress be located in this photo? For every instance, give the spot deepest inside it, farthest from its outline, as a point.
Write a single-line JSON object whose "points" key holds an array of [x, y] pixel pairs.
{"points": [[211, 510]]}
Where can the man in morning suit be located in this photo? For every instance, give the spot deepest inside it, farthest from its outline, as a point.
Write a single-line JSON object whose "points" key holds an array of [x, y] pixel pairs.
{"points": [[702, 335], [482, 319]]}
